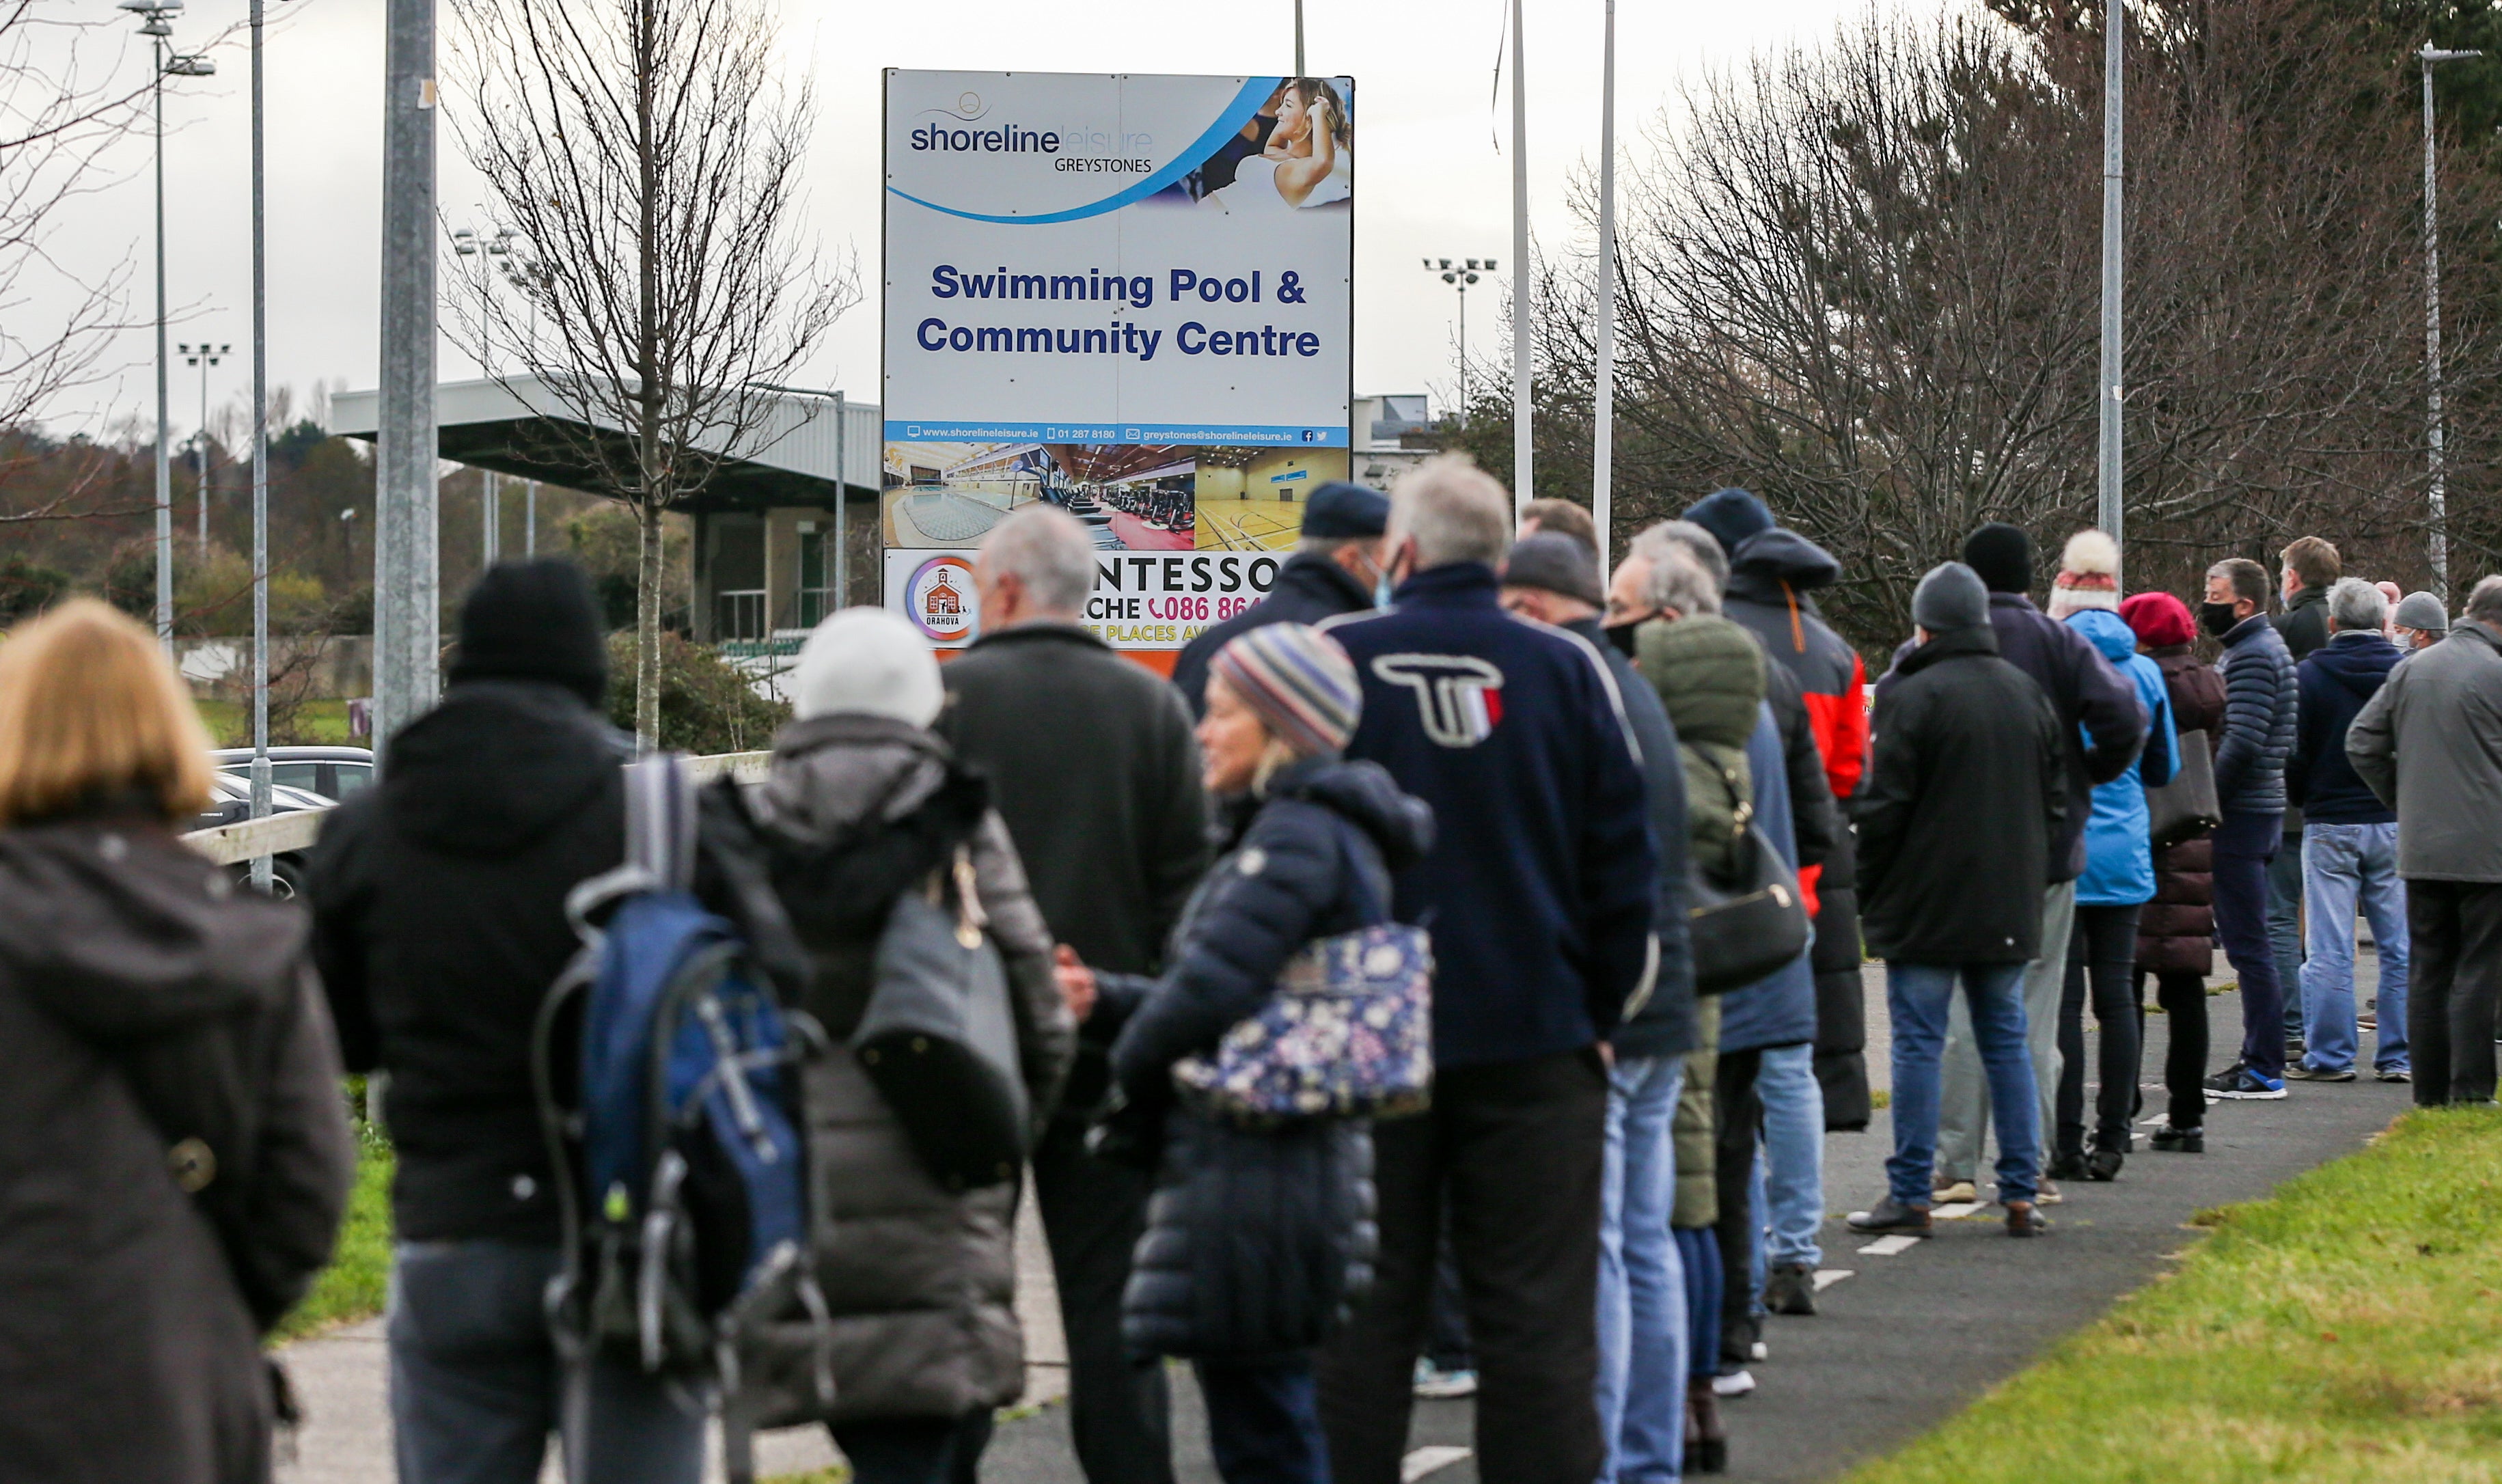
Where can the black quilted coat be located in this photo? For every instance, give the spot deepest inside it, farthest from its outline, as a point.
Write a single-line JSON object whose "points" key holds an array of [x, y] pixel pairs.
{"points": [[1258, 1239]]}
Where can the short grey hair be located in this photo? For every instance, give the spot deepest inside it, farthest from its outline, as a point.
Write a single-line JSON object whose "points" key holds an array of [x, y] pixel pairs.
{"points": [[1692, 540], [2356, 604], [1049, 551], [1327, 545], [1677, 581], [2484, 604], [1454, 511]]}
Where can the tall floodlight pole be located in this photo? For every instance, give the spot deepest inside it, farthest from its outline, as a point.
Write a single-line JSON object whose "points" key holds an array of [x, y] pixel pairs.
{"points": [[1603, 392], [1460, 275], [2437, 495], [490, 511], [157, 23], [406, 621], [2110, 512], [1298, 38], [1522, 343], [260, 874], [530, 520], [842, 471], [203, 356]]}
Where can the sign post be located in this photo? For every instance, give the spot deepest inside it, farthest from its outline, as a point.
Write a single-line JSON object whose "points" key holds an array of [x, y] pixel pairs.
{"points": [[1129, 298]]}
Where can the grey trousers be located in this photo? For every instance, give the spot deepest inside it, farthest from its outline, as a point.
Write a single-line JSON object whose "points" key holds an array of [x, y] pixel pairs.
{"points": [[1963, 1101]]}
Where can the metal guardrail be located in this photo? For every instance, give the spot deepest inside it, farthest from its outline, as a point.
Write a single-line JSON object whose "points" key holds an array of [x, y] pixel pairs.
{"points": [[279, 835]]}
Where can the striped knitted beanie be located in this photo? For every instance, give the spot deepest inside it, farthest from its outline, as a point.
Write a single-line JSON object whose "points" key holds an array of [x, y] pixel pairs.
{"points": [[1300, 682]]}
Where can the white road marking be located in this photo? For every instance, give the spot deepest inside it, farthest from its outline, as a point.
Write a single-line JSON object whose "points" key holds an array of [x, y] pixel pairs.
{"points": [[1826, 1277], [1428, 1460], [1955, 1211], [1889, 1246]]}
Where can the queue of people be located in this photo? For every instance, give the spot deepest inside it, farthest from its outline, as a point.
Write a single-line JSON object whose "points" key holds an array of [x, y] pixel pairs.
{"points": [[1469, 925]]}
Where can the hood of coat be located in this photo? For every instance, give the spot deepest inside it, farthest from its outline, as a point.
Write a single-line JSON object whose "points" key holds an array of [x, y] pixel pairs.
{"points": [[121, 931], [1365, 795], [1710, 675], [1770, 561], [2108, 632], [2358, 660], [496, 766], [831, 772]]}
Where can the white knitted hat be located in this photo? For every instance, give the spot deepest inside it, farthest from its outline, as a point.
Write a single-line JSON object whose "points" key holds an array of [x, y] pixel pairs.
{"points": [[2089, 575], [868, 662]]}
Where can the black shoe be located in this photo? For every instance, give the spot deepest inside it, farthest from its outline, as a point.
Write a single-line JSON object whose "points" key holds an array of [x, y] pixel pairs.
{"points": [[2024, 1221], [2304, 1071], [2067, 1165], [1790, 1289], [1707, 1436], [2104, 1164], [2171, 1140], [1886, 1216]]}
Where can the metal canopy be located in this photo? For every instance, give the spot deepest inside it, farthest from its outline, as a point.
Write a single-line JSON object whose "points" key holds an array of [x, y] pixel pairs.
{"points": [[513, 425]]}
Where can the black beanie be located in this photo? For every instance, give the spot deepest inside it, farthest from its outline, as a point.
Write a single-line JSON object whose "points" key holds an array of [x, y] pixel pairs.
{"points": [[1731, 516], [534, 621], [2003, 555]]}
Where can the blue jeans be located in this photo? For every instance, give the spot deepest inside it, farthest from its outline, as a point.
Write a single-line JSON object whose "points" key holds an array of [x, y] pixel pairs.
{"points": [[1916, 998], [2285, 890], [2341, 865], [476, 1385], [2242, 845], [1793, 1155], [1264, 1421], [1641, 1281]]}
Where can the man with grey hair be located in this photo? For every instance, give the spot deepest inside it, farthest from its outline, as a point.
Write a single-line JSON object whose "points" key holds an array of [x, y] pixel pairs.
{"points": [[2430, 745], [1092, 768], [2350, 846], [1539, 891]]}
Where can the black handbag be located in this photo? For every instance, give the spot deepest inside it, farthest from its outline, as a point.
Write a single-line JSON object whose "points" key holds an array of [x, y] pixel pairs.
{"points": [[2185, 807], [1752, 925]]}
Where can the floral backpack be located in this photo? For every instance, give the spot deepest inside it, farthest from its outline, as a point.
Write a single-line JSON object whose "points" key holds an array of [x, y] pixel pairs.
{"points": [[1349, 1031]]}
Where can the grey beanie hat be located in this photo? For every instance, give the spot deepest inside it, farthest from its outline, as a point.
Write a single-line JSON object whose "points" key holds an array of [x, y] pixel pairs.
{"points": [[1555, 562], [2421, 612], [1949, 598]]}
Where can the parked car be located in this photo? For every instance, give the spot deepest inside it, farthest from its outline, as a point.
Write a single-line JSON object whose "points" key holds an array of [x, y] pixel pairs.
{"points": [[332, 772], [230, 803]]}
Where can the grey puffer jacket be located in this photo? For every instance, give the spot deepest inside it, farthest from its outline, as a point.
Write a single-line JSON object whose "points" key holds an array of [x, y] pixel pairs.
{"points": [[2430, 745], [150, 1011], [2261, 691], [920, 1281]]}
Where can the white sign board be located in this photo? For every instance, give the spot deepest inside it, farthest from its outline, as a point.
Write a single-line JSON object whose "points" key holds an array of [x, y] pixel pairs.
{"points": [[1127, 297]]}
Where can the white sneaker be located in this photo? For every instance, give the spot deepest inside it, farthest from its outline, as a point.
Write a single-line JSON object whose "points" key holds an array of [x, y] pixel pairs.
{"points": [[1735, 1383], [1435, 1384], [1759, 1350]]}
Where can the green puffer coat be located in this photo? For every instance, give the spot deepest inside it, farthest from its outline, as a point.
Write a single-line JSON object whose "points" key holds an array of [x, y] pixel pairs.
{"points": [[1710, 675]]}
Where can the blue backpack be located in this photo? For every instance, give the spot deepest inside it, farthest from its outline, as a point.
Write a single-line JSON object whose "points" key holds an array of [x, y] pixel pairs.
{"points": [[688, 1227]]}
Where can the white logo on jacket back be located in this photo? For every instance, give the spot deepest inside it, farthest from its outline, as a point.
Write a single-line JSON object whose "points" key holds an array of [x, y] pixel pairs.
{"points": [[1458, 697]]}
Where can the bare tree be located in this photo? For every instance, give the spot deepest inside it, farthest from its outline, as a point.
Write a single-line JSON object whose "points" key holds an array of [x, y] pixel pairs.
{"points": [[1860, 278], [647, 160], [60, 108]]}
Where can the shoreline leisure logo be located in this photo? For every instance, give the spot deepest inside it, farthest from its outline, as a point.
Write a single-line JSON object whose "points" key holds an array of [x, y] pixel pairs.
{"points": [[962, 130], [939, 598]]}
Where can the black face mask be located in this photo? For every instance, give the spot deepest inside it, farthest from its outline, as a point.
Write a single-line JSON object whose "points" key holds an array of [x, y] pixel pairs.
{"points": [[2218, 618], [1624, 636]]}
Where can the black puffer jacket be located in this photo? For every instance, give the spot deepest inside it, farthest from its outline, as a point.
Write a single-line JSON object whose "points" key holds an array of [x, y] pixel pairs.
{"points": [[146, 1004], [1258, 1239], [2176, 931], [2261, 697]]}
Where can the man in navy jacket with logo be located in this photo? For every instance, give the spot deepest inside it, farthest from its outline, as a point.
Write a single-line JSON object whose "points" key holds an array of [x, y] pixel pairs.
{"points": [[1539, 893]]}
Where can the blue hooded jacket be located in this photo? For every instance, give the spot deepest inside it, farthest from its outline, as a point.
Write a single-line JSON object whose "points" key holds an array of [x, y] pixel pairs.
{"points": [[2336, 679], [1779, 1008], [2119, 857]]}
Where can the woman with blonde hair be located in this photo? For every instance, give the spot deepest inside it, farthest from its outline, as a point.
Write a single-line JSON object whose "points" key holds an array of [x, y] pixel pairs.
{"points": [[174, 1151]]}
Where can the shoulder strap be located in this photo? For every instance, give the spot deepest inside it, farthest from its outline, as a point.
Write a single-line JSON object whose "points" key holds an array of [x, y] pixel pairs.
{"points": [[659, 839]]}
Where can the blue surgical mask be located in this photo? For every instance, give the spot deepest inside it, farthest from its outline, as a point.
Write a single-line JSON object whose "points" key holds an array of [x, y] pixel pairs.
{"points": [[1381, 590]]}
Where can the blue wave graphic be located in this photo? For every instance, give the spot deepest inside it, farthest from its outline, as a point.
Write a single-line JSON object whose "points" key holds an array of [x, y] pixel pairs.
{"points": [[1242, 110]]}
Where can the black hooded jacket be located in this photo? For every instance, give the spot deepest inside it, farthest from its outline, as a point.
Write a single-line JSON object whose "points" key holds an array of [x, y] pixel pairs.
{"points": [[1308, 588]]}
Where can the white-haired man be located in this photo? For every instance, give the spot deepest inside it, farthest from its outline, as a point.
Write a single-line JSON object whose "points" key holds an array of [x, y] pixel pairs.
{"points": [[1092, 765], [1538, 890]]}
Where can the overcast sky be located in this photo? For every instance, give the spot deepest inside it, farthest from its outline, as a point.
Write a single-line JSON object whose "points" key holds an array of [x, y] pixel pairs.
{"points": [[1432, 182]]}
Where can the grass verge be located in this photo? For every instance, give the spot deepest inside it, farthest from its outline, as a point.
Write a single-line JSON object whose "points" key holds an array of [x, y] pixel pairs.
{"points": [[353, 1286], [229, 723], [2341, 1329]]}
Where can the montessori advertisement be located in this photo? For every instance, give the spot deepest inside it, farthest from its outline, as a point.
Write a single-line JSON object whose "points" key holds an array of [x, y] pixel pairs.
{"points": [[1128, 296]]}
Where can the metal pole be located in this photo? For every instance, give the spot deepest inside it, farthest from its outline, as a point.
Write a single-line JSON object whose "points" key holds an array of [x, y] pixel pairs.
{"points": [[1464, 353], [491, 536], [2437, 497], [200, 452], [1522, 321], [530, 520], [260, 871], [406, 621], [1604, 395], [2111, 512], [1298, 38], [843, 473], [164, 415]]}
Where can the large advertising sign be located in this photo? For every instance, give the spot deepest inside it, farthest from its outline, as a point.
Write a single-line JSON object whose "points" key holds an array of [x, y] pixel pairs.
{"points": [[1131, 297]]}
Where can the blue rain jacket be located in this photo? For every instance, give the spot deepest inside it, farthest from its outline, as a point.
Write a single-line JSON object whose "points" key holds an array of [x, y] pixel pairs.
{"points": [[2120, 861]]}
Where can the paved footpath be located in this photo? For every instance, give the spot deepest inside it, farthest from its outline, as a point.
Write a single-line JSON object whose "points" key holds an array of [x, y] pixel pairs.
{"points": [[1905, 1337]]}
